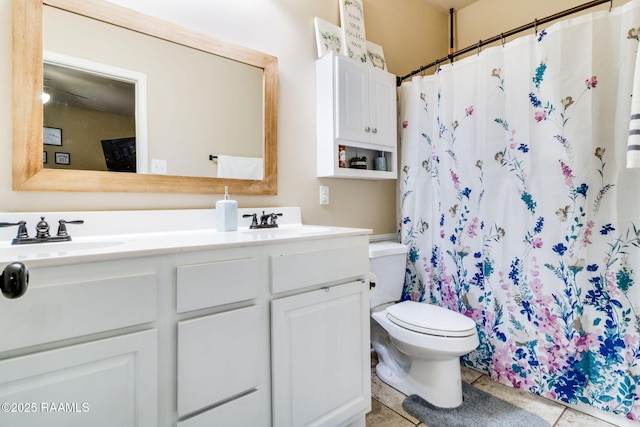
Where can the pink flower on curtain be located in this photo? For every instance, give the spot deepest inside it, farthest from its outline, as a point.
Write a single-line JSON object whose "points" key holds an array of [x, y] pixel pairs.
{"points": [[540, 115], [536, 242], [474, 314], [473, 227], [587, 233], [469, 110], [405, 124], [455, 179], [592, 82], [567, 172]]}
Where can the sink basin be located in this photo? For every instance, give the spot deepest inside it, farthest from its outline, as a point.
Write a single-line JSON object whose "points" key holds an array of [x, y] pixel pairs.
{"points": [[46, 249]]}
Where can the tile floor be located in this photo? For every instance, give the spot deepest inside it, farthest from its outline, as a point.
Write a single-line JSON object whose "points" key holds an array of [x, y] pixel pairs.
{"points": [[386, 404]]}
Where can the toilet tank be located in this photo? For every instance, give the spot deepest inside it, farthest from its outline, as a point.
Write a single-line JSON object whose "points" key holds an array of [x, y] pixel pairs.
{"points": [[388, 262]]}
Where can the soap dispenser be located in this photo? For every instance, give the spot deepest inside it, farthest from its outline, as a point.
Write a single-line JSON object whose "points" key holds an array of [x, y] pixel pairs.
{"points": [[226, 213]]}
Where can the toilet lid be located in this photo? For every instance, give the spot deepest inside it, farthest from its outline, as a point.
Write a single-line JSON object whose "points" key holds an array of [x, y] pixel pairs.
{"points": [[431, 319]]}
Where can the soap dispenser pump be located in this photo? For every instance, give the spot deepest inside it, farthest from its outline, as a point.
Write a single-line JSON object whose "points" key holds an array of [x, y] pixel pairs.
{"points": [[226, 213]]}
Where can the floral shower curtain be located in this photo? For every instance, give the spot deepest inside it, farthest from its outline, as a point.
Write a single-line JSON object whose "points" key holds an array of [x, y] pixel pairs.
{"points": [[519, 212]]}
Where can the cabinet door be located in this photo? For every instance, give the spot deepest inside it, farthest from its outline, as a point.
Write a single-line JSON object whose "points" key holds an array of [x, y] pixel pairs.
{"points": [[321, 359], [352, 102], [383, 108], [110, 382]]}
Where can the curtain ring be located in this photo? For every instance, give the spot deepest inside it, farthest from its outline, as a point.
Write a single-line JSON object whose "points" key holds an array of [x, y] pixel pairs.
{"points": [[479, 44], [535, 25], [610, 5], [502, 39]]}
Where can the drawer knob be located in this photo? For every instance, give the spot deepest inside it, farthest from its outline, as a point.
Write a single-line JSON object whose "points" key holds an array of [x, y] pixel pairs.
{"points": [[14, 280]]}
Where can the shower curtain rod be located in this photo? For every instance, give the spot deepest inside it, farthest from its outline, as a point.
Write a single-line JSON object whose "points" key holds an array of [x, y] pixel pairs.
{"points": [[502, 36]]}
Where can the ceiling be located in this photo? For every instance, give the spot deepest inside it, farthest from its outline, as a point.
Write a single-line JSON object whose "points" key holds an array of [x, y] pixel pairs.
{"points": [[445, 5], [82, 89]]}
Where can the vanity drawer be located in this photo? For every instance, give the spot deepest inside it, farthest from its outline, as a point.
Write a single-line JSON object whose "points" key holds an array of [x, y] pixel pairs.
{"points": [[218, 358], [299, 270], [56, 310], [217, 283]]}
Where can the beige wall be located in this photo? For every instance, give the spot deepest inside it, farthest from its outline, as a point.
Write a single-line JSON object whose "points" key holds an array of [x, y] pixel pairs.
{"points": [[283, 28], [487, 18], [411, 32], [82, 131]]}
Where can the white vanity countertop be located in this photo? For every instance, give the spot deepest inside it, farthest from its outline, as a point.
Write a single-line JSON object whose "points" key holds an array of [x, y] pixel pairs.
{"points": [[119, 234]]}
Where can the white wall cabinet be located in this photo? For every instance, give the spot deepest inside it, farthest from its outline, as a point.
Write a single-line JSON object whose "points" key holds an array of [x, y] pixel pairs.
{"points": [[355, 107], [185, 339], [365, 104]]}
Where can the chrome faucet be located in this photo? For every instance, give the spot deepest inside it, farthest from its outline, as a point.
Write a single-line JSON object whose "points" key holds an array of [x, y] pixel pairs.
{"points": [[42, 232]]}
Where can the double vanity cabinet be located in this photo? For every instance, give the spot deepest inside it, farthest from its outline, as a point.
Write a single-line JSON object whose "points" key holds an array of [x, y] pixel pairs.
{"points": [[195, 328]]}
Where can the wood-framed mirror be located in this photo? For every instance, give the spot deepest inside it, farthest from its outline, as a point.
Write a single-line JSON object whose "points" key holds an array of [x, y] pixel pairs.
{"points": [[27, 86]]}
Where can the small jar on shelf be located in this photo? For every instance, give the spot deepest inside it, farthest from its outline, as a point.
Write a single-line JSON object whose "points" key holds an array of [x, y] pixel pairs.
{"points": [[358, 162], [342, 156]]}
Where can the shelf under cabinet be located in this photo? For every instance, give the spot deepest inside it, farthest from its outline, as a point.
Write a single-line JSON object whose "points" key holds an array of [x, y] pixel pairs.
{"points": [[360, 174], [328, 166]]}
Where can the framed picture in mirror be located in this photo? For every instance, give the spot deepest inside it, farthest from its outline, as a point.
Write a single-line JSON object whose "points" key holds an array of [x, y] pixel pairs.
{"points": [[51, 136], [63, 158]]}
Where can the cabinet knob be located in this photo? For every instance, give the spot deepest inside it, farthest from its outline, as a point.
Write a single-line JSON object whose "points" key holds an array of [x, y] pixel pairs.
{"points": [[14, 280], [375, 130], [367, 129]]}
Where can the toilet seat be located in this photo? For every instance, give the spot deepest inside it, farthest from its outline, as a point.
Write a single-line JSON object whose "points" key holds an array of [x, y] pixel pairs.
{"points": [[430, 319]]}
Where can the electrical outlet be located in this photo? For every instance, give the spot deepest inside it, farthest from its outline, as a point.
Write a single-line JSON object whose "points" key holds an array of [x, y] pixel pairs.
{"points": [[159, 167], [324, 195]]}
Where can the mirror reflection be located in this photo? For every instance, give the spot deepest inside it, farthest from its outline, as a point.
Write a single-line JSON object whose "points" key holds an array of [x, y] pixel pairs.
{"points": [[90, 119], [199, 106], [203, 99]]}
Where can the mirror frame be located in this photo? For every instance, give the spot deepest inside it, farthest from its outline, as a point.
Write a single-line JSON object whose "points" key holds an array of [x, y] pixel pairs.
{"points": [[27, 85]]}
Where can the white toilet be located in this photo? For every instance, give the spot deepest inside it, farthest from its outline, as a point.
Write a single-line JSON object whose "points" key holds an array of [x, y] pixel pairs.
{"points": [[418, 345]]}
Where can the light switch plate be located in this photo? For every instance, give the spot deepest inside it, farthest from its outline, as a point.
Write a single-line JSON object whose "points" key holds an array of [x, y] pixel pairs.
{"points": [[324, 195], [159, 167]]}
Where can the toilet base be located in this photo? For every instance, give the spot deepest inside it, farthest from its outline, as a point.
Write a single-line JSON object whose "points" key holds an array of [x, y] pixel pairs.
{"points": [[439, 382]]}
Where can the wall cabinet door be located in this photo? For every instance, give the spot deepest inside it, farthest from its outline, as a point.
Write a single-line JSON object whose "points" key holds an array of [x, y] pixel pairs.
{"points": [[365, 104], [320, 356], [383, 111], [110, 382], [352, 102]]}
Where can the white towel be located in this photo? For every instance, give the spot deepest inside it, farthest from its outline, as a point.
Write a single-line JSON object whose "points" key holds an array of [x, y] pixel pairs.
{"points": [[240, 167], [633, 143]]}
